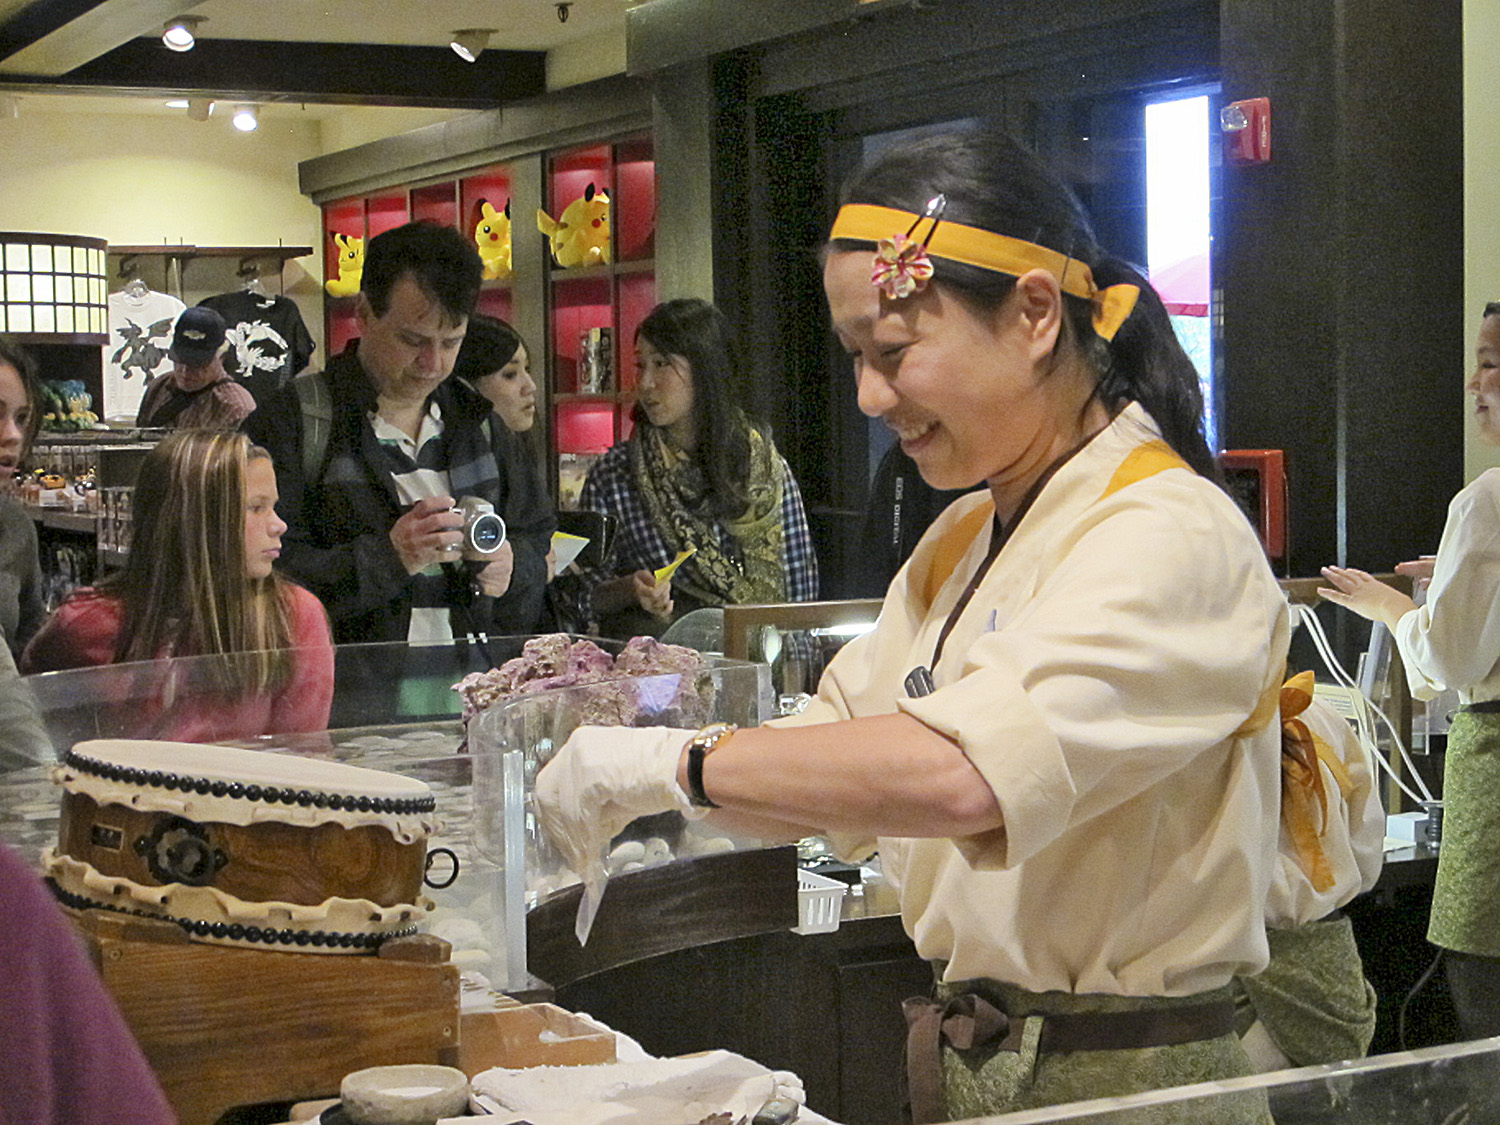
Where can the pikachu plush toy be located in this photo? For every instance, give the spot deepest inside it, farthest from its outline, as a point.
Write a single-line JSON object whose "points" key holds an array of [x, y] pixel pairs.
{"points": [[581, 236], [351, 266], [492, 237]]}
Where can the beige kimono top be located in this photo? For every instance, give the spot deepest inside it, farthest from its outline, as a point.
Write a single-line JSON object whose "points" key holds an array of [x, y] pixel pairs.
{"points": [[1115, 680]]}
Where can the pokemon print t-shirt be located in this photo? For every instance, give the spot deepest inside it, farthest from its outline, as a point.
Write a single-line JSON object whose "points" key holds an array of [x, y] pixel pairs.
{"points": [[140, 330]]}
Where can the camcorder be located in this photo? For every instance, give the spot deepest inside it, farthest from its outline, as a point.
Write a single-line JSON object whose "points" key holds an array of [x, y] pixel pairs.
{"points": [[483, 529]]}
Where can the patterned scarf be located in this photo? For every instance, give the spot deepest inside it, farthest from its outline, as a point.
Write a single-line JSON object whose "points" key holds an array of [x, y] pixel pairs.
{"points": [[739, 561]]}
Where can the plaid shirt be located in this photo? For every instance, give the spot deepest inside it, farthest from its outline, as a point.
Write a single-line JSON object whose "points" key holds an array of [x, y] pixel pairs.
{"points": [[337, 541], [637, 544]]}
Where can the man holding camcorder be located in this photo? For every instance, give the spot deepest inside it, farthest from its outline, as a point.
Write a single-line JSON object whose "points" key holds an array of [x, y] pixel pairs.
{"points": [[394, 481]]}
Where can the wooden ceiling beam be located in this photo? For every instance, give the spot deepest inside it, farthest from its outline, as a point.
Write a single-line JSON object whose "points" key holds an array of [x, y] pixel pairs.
{"points": [[318, 73]]}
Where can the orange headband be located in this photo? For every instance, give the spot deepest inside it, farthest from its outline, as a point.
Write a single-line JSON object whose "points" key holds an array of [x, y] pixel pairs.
{"points": [[982, 248]]}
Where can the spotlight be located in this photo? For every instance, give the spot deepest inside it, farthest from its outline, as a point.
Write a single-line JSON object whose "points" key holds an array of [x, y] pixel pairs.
{"points": [[199, 109], [562, 12], [471, 42], [246, 119], [179, 33], [178, 103]]}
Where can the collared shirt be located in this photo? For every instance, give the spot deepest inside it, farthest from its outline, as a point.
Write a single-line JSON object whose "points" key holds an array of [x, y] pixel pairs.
{"points": [[417, 471]]}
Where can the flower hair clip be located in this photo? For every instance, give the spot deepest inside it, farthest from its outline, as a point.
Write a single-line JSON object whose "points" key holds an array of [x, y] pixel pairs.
{"points": [[902, 266]]}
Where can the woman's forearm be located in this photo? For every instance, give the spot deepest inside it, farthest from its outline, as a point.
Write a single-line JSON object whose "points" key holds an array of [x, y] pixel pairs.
{"points": [[886, 775]]}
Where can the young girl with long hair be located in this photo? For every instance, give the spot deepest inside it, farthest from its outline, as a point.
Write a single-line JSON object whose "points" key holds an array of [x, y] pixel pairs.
{"points": [[200, 582]]}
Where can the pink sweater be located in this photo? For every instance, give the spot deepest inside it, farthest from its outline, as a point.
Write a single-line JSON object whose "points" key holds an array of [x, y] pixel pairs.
{"points": [[158, 699]]}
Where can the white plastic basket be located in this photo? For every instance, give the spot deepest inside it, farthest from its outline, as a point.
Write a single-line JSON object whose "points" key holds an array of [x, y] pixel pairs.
{"points": [[820, 903]]}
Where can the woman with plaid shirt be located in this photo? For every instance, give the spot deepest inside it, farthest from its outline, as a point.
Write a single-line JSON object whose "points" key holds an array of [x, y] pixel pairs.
{"points": [[696, 476]]}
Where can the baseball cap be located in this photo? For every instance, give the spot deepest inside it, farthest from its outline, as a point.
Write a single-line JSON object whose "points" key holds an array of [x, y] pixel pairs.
{"points": [[197, 337]]}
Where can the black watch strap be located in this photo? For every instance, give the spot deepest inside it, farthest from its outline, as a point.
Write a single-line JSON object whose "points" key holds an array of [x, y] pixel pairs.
{"points": [[699, 748]]}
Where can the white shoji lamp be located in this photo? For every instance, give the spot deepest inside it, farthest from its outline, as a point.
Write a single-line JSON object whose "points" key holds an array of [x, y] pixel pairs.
{"points": [[53, 288]]}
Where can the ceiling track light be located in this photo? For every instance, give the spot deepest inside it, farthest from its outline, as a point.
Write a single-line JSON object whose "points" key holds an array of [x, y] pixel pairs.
{"points": [[470, 43], [246, 119], [180, 33], [198, 109]]}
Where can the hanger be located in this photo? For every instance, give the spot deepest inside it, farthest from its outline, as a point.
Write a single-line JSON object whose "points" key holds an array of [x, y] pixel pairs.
{"points": [[250, 271], [134, 287]]}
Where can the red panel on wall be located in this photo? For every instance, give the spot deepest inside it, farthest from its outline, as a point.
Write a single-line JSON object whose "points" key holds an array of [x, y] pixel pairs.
{"points": [[385, 212], [436, 203], [585, 427], [635, 201]]}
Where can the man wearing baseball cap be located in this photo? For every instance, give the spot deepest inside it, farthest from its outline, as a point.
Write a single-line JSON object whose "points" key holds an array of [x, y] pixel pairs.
{"points": [[198, 393]]}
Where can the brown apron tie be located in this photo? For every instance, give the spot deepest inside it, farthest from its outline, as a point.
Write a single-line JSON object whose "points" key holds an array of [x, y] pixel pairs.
{"points": [[966, 1021], [969, 1020]]}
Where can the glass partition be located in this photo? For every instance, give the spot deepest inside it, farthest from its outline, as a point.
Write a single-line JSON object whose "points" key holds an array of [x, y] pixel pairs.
{"points": [[1445, 1085]]}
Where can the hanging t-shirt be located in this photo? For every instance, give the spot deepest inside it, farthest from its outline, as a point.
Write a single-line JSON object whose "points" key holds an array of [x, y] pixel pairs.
{"points": [[140, 331], [268, 339]]}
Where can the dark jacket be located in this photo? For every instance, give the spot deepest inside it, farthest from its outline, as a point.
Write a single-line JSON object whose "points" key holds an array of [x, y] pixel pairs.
{"points": [[902, 506], [337, 541]]}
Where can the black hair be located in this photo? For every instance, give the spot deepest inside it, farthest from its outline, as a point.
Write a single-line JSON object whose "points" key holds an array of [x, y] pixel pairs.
{"points": [[699, 332], [993, 182], [1491, 309], [16, 356], [442, 262], [489, 344]]}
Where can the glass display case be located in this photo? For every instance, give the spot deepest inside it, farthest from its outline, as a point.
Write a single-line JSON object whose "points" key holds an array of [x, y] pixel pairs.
{"points": [[395, 710]]}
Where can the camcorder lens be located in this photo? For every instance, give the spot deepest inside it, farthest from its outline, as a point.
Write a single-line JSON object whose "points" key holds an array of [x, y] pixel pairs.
{"points": [[487, 533]]}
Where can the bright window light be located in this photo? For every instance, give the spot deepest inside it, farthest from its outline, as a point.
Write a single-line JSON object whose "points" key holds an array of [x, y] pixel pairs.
{"points": [[1178, 226]]}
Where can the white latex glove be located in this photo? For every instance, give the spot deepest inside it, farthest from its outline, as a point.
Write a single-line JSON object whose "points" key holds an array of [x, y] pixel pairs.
{"points": [[601, 780]]}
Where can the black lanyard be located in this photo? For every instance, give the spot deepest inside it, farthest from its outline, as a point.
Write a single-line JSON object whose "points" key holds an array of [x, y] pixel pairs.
{"points": [[919, 681]]}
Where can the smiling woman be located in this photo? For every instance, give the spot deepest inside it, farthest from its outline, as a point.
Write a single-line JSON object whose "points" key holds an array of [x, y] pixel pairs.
{"points": [[1072, 779], [1452, 642], [199, 583]]}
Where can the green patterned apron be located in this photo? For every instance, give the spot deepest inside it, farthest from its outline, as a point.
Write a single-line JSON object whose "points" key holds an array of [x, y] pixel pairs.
{"points": [[990, 1079], [1466, 896], [1312, 999]]}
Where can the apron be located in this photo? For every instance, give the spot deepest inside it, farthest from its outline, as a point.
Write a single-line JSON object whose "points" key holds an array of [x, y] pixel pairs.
{"points": [[1312, 999], [1011, 1049], [1466, 896]]}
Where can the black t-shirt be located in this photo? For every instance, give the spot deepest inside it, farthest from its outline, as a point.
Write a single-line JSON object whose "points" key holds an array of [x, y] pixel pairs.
{"points": [[268, 340]]}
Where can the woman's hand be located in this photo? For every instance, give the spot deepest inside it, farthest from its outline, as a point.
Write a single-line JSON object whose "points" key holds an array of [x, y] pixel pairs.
{"points": [[655, 597], [1419, 571], [1365, 595]]}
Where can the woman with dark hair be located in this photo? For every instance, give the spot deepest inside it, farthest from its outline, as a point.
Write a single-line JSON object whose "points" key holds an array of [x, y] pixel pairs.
{"points": [[494, 362], [1453, 641], [21, 606], [696, 476], [1061, 731], [200, 582]]}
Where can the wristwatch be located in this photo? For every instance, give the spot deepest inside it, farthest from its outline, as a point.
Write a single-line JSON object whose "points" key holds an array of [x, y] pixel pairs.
{"points": [[698, 748]]}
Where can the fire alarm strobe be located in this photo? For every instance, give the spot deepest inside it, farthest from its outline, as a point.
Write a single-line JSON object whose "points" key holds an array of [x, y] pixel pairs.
{"points": [[1246, 126]]}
